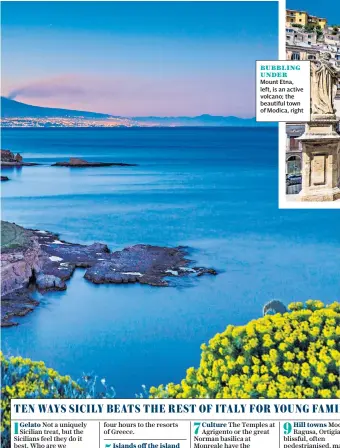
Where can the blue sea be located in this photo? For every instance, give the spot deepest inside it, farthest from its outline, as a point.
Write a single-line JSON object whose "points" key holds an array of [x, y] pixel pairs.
{"points": [[214, 190]]}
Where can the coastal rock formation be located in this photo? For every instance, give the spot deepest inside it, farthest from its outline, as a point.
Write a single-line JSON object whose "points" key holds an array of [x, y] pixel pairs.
{"points": [[18, 158], [9, 159], [39, 260], [143, 264], [7, 156], [20, 259], [18, 266], [19, 303], [74, 162], [274, 307], [45, 282]]}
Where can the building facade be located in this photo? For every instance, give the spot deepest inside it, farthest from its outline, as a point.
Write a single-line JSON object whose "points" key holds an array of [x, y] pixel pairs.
{"points": [[306, 45], [304, 19], [301, 52], [296, 36]]}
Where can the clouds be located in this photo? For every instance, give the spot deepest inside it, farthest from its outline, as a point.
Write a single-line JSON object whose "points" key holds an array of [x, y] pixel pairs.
{"points": [[132, 95], [49, 88]]}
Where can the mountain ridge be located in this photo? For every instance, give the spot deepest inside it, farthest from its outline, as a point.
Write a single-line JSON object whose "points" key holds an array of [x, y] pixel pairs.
{"points": [[15, 109], [12, 108]]}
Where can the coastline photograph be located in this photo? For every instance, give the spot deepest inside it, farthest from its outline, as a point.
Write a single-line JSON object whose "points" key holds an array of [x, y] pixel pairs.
{"points": [[142, 248]]}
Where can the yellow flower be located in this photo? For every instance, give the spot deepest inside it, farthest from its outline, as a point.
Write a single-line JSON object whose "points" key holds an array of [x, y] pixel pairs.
{"points": [[264, 369], [332, 378], [261, 387], [325, 393], [289, 355], [272, 392], [321, 368], [316, 381], [288, 366], [300, 356], [275, 369], [240, 360], [328, 331]]}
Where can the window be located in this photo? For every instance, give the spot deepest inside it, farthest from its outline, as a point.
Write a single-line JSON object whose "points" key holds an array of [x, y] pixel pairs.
{"points": [[309, 42], [295, 57], [294, 165], [293, 145], [311, 56]]}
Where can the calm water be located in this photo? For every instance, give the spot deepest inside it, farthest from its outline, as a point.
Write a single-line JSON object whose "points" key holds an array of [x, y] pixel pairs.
{"points": [[214, 190]]}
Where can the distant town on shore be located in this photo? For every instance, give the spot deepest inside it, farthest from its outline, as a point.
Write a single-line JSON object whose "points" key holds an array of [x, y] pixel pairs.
{"points": [[20, 115]]}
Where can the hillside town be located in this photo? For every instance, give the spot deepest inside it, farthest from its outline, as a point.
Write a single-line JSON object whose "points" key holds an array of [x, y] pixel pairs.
{"points": [[307, 38], [69, 122]]}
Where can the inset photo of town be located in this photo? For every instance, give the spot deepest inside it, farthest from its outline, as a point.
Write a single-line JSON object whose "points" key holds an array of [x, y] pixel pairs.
{"points": [[312, 160]]}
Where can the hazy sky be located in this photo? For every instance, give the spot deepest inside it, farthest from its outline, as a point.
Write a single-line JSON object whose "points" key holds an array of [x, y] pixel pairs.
{"points": [[137, 58]]}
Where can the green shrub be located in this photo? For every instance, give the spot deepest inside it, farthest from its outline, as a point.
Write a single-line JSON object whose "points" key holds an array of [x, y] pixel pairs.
{"points": [[290, 355]]}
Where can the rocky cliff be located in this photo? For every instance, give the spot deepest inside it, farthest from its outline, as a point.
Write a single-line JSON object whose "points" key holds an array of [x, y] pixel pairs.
{"points": [[19, 267], [8, 158]]}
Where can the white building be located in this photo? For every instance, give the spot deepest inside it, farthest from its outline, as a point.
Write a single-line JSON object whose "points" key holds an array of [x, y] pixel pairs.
{"points": [[297, 36], [304, 46]]}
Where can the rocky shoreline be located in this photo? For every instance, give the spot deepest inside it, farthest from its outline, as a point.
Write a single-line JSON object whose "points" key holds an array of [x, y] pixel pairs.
{"points": [[37, 260], [74, 162], [9, 159]]}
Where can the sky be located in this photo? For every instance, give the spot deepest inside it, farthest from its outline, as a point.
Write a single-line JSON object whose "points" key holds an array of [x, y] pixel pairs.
{"points": [[326, 9], [137, 58]]}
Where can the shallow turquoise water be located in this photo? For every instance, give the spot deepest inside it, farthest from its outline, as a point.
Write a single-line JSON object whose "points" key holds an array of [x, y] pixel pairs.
{"points": [[214, 190]]}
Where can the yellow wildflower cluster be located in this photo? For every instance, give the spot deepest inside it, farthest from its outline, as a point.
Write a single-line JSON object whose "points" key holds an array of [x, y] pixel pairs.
{"points": [[23, 378], [290, 355]]}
